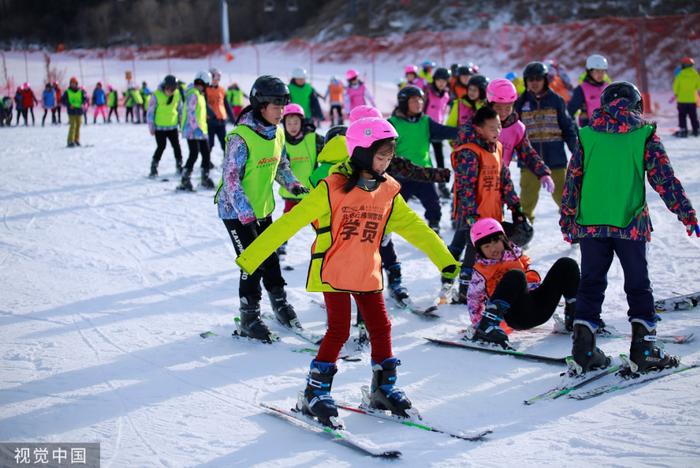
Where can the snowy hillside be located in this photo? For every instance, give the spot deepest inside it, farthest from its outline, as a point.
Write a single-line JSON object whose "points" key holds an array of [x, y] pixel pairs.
{"points": [[107, 279]]}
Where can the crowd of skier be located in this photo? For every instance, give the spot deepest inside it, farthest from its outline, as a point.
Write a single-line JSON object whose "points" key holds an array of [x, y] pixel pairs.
{"points": [[353, 183]]}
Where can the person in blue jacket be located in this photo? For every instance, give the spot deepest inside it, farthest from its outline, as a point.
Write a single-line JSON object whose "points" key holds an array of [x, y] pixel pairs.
{"points": [[549, 127], [48, 100], [99, 101]]}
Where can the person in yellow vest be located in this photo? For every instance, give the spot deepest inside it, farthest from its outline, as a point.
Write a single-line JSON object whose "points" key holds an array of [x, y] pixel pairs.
{"points": [[146, 96], [234, 97], [426, 72], [482, 185], [138, 103], [353, 207], [256, 157], [685, 89], [74, 98], [193, 124], [163, 117]]}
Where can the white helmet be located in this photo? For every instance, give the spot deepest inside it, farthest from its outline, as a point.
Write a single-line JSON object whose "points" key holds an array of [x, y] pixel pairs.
{"points": [[299, 73], [205, 76], [214, 71], [596, 62]]}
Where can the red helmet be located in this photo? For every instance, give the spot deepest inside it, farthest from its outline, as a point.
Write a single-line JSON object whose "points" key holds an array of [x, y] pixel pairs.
{"points": [[688, 61]]}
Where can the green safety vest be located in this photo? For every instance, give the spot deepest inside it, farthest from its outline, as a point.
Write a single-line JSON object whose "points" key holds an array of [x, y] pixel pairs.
{"points": [[302, 161], [414, 140], [112, 99], [260, 168], [166, 114], [234, 97], [136, 95], [612, 191], [200, 111], [75, 98], [302, 96]]}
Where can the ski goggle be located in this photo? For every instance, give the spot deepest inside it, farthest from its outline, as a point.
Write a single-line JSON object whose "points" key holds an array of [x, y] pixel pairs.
{"points": [[276, 100]]}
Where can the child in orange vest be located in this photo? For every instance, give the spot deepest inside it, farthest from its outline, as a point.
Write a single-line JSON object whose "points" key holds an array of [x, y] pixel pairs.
{"points": [[503, 288], [354, 206], [482, 184]]}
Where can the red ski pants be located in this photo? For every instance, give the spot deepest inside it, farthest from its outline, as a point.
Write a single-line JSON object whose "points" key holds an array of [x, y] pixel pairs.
{"points": [[373, 312]]}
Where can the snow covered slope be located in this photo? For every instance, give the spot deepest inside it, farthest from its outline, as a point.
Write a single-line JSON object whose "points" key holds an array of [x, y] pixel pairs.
{"points": [[107, 279]]}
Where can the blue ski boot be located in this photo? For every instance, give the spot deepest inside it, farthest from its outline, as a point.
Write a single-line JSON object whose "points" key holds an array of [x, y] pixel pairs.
{"points": [[584, 350], [396, 289], [384, 394], [316, 399], [489, 328]]}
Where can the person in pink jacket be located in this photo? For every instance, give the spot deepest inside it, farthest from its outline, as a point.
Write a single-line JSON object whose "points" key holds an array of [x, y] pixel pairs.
{"points": [[437, 98], [356, 93]]}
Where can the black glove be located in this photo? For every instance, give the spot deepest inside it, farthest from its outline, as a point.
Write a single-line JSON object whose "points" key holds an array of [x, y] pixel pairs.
{"points": [[299, 190]]}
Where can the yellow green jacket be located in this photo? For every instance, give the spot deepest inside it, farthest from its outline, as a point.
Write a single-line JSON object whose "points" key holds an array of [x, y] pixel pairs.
{"points": [[315, 206], [686, 85]]}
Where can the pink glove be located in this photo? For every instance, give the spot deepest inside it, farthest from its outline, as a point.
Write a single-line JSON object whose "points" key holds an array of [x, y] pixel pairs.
{"points": [[547, 183]]}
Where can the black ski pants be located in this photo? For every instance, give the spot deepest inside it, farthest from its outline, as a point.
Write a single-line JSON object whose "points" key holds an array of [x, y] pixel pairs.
{"points": [[196, 147], [162, 136], [242, 235], [529, 309]]}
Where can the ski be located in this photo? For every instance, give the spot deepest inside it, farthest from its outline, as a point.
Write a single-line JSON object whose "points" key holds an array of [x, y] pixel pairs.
{"points": [[344, 357], [627, 378], [297, 329], [407, 304], [415, 421], [341, 436], [677, 303], [508, 352], [572, 383], [609, 332]]}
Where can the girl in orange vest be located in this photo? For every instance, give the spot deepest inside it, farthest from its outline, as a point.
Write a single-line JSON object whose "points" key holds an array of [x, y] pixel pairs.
{"points": [[505, 291], [482, 184], [353, 208]]}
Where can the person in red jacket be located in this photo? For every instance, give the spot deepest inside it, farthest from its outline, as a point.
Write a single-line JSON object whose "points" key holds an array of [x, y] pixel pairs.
{"points": [[28, 101]]}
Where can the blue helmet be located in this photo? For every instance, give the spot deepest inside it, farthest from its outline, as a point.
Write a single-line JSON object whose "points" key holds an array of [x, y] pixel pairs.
{"points": [[511, 75]]}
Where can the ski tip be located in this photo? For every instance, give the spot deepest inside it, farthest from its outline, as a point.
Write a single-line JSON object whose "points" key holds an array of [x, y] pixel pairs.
{"points": [[388, 454]]}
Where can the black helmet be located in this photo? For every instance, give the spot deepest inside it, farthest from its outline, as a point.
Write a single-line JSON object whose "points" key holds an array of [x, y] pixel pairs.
{"points": [[269, 88], [625, 90], [522, 233], [481, 82], [441, 74], [535, 70], [334, 132], [454, 67], [169, 82], [464, 70], [407, 93]]}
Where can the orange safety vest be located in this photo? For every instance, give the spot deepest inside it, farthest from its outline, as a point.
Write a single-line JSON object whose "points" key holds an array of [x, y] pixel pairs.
{"points": [[352, 263], [215, 100], [335, 92], [488, 185], [557, 85], [493, 273]]}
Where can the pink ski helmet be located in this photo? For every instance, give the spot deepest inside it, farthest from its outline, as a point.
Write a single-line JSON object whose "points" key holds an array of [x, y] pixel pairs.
{"points": [[484, 228], [363, 132], [293, 109], [411, 69], [502, 91], [362, 112], [351, 74]]}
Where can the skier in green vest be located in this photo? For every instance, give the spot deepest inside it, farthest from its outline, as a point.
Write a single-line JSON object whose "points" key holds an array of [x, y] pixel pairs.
{"points": [[163, 116], [604, 209], [255, 157], [416, 130], [234, 97], [74, 98], [301, 92], [194, 128]]}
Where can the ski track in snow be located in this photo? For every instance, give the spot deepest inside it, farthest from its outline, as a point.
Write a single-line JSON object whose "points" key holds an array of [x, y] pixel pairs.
{"points": [[108, 278]]}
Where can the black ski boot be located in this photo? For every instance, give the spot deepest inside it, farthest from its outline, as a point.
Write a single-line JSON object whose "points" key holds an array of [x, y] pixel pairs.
{"points": [[316, 400], [396, 289], [444, 191], [178, 166], [584, 350], [185, 182], [569, 314], [643, 350], [435, 226], [384, 394], [489, 328], [206, 182], [283, 310], [465, 277], [251, 325], [154, 170], [681, 133]]}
